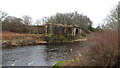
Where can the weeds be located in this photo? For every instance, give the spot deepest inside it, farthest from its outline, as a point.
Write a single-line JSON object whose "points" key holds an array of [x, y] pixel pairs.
{"points": [[101, 50], [58, 38]]}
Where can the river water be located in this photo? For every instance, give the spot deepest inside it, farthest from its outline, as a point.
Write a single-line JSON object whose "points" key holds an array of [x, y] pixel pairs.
{"points": [[39, 55]]}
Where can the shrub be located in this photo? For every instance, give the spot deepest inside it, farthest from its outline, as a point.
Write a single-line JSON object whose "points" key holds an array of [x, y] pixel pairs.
{"points": [[101, 50], [104, 48], [58, 38], [69, 37]]}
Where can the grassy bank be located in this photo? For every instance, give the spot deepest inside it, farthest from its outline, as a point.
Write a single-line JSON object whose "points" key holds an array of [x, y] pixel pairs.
{"points": [[11, 39], [58, 38], [63, 38]]}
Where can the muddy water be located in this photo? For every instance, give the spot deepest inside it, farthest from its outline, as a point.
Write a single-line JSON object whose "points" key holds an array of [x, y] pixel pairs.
{"points": [[40, 55]]}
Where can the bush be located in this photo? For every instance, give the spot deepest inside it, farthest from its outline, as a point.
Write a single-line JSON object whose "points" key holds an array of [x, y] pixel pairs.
{"points": [[69, 37], [58, 38], [104, 48], [101, 50]]}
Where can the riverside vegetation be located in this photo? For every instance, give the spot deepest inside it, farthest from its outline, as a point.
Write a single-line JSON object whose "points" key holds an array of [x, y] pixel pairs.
{"points": [[100, 49]]}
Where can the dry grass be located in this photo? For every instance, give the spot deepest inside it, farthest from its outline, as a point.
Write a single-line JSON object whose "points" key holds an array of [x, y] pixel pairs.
{"points": [[101, 50], [104, 48], [12, 36], [10, 39]]}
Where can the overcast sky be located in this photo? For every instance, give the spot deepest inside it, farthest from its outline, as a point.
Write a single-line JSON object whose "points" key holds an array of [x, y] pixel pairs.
{"points": [[96, 10]]}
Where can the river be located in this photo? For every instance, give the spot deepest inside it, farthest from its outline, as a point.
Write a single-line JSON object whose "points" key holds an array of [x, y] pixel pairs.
{"points": [[38, 55]]}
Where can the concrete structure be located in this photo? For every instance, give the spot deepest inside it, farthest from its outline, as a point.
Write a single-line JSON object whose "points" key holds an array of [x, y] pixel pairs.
{"points": [[60, 29]]}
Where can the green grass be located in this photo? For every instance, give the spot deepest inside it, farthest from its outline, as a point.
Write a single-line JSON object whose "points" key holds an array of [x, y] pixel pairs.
{"points": [[58, 38], [58, 64]]}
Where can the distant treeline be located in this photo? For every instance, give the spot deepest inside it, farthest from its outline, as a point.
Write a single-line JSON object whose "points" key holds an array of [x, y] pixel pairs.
{"points": [[14, 24], [24, 24]]}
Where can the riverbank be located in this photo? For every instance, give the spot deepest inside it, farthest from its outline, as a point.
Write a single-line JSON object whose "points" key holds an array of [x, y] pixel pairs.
{"points": [[10, 39], [101, 49]]}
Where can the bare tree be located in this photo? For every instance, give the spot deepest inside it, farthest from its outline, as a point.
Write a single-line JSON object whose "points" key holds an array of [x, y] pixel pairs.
{"points": [[27, 20], [112, 20], [13, 24], [45, 20], [38, 22], [2, 15], [71, 19]]}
